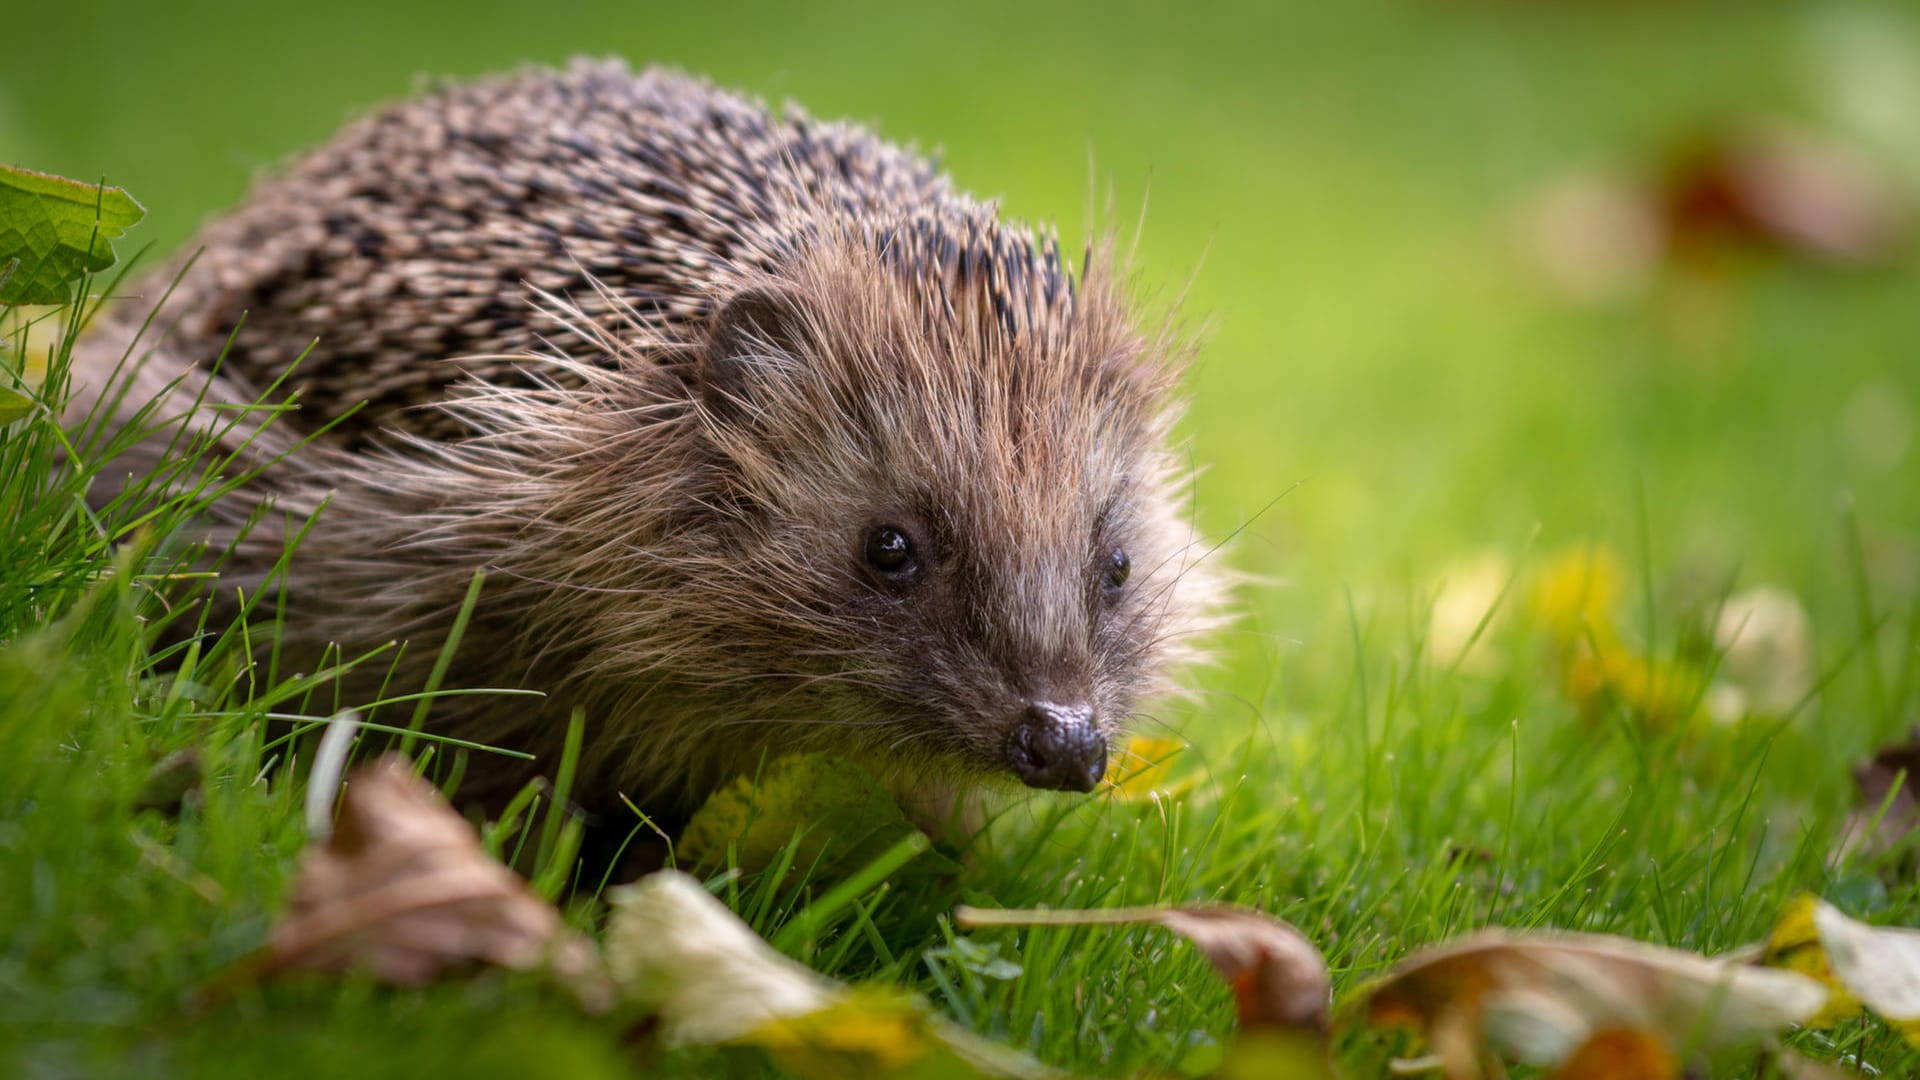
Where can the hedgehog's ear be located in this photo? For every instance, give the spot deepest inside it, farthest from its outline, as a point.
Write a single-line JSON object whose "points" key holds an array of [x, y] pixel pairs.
{"points": [[758, 337]]}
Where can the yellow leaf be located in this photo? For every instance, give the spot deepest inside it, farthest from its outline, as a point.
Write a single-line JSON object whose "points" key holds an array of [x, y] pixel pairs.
{"points": [[1460, 620], [29, 334], [864, 1032], [1665, 696], [1577, 589], [1139, 770], [1794, 944], [1877, 967]]}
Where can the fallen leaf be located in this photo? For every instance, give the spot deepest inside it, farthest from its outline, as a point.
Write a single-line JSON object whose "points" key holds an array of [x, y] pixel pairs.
{"points": [[169, 782], [1278, 978], [1575, 590], [1601, 235], [879, 1030], [403, 890], [845, 817], [1620, 1054], [1596, 236], [1139, 771], [1877, 967], [1887, 779], [1794, 944], [1466, 600], [1601, 673], [1780, 187], [1540, 999], [1766, 644], [682, 956], [863, 1031]]}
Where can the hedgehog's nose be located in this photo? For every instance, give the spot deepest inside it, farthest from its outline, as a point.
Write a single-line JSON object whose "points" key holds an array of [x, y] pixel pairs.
{"points": [[1058, 747]]}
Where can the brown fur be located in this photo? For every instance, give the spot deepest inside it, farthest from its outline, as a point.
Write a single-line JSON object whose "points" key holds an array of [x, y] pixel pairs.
{"points": [[657, 361]]}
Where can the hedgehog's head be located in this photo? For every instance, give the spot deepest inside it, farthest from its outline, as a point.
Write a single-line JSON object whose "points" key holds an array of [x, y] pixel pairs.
{"points": [[951, 523]]}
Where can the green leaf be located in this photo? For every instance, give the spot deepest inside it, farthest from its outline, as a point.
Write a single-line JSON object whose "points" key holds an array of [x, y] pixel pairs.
{"points": [[13, 405], [53, 230], [846, 820]]}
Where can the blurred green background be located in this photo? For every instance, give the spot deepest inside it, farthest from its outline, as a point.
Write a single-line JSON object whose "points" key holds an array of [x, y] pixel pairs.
{"points": [[1347, 188]]}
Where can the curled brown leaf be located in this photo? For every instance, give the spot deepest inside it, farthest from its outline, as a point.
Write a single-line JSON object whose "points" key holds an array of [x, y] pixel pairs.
{"points": [[403, 890], [1543, 999], [1278, 977]]}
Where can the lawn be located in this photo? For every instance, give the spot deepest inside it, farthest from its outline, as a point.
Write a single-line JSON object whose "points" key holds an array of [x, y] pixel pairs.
{"points": [[1403, 426]]}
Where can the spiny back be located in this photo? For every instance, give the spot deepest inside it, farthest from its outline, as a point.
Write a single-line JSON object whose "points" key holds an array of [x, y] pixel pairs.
{"points": [[407, 245]]}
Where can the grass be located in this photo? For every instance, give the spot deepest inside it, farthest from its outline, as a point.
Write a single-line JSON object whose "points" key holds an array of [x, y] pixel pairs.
{"points": [[1351, 181]]}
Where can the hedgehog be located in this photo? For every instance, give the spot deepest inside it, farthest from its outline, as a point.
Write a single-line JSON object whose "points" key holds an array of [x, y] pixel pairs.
{"points": [[758, 436]]}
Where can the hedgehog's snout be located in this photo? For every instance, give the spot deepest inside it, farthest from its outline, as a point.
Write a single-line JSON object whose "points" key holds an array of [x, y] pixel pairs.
{"points": [[1058, 747]]}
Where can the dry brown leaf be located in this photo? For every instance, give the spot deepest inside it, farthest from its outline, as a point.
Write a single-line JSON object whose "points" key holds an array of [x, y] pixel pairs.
{"points": [[1787, 188], [403, 890], [169, 782], [1277, 976], [1869, 831], [1541, 999], [1601, 235], [1620, 1054]]}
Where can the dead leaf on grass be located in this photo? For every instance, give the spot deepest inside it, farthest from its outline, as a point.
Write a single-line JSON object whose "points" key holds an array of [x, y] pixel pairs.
{"points": [[682, 956], [1542, 1000], [1766, 644], [1277, 976], [1780, 187], [1885, 780], [169, 782], [1877, 967], [402, 889], [1470, 594], [1603, 235], [1620, 1054]]}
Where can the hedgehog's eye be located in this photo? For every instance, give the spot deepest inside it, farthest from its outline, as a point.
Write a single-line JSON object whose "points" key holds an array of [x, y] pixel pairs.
{"points": [[890, 552], [1118, 569]]}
